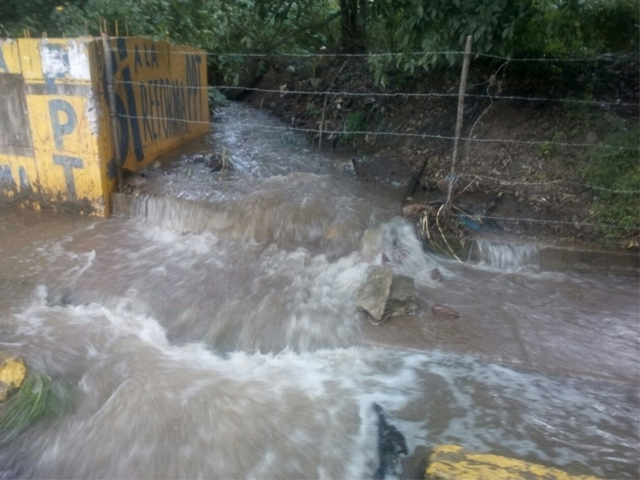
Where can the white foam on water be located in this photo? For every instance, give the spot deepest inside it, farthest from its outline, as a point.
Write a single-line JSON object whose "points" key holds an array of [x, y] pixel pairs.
{"points": [[145, 399], [230, 294], [152, 409]]}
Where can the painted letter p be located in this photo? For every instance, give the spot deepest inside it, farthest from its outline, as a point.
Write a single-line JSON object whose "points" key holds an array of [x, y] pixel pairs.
{"points": [[61, 129]]}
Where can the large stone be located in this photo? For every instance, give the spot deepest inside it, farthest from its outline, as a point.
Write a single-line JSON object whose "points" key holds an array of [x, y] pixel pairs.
{"points": [[452, 462], [12, 374], [386, 295], [402, 297], [373, 295]]}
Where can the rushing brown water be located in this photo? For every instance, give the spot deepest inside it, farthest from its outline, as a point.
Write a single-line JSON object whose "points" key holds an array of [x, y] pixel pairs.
{"points": [[210, 331]]}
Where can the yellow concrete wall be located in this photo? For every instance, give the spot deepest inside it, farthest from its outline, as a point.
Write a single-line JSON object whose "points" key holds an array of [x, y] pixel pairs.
{"points": [[50, 105], [161, 99], [56, 140]]}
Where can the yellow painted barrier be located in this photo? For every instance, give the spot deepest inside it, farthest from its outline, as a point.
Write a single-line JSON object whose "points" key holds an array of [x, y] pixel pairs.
{"points": [[452, 462], [57, 146], [161, 100], [12, 374]]}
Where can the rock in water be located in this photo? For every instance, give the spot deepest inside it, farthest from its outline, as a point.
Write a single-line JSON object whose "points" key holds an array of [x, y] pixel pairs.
{"points": [[391, 444], [443, 311], [436, 275], [346, 166], [12, 374], [386, 295], [402, 297], [373, 295]]}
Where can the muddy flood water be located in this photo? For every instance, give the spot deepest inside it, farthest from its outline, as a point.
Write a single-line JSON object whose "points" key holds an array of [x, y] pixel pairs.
{"points": [[210, 330]]}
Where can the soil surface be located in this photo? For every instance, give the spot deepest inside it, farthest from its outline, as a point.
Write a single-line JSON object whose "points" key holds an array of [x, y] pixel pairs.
{"points": [[541, 185]]}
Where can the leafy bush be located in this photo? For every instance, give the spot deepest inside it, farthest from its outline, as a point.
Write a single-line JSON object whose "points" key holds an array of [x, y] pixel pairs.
{"points": [[355, 122], [499, 27], [529, 28], [616, 169]]}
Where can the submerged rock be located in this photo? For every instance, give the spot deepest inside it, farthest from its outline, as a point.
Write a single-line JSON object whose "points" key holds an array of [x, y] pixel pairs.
{"points": [[443, 311], [436, 275], [12, 374], [371, 243]]}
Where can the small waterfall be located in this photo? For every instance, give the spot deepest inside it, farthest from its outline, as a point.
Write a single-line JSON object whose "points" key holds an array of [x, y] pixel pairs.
{"points": [[265, 216], [508, 256]]}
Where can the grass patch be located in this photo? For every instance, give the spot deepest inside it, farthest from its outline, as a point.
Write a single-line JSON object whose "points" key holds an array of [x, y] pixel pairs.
{"points": [[616, 169], [38, 399], [355, 122]]}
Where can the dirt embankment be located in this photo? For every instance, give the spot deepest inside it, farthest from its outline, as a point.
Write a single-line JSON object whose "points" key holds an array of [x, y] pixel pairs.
{"points": [[533, 182]]}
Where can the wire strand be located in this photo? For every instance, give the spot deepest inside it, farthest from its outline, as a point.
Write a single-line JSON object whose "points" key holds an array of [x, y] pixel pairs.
{"points": [[539, 220], [599, 58], [549, 183], [396, 134], [307, 55], [393, 94]]}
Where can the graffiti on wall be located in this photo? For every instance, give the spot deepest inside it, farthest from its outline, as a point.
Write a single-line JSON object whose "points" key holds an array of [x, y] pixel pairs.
{"points": [[49, 147], [49, 131], [160, 97]]}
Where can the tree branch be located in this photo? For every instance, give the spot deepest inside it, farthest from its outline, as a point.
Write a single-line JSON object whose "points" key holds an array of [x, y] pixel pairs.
{"points": [[282, 22], [308, 26]]}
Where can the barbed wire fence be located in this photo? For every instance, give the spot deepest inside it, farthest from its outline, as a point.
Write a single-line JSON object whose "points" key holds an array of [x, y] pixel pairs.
{"points": [[467, 140]]}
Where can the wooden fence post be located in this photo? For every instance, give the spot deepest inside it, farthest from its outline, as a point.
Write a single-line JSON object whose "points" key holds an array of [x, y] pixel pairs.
{"points": [[460, 118]]}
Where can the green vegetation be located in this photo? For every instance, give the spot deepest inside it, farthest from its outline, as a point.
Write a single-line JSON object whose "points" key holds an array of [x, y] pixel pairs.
{"points": [[38, 399], [499, 27], [355, 122], [616, 169]]}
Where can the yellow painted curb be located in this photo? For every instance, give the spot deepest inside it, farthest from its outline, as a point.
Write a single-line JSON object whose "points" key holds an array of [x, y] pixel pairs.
{"points": [[452, 462], [12, 373]]}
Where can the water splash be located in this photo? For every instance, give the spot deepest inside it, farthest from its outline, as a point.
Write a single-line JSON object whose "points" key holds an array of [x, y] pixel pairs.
{"points": [[508, 256]]}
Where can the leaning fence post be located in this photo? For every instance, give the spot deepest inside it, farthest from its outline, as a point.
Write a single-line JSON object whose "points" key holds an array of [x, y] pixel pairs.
{"points": [[111, 95], [459, 120]]}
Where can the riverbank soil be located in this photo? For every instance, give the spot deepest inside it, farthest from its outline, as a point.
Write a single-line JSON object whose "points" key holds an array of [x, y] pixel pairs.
{"points": [[534, 183]]}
